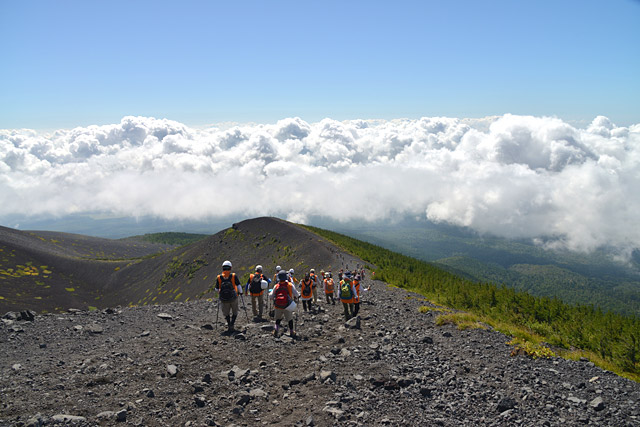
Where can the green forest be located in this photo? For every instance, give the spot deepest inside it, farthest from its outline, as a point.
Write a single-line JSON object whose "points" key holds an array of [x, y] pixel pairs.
{"points": [[576, 278], [608, 339]]}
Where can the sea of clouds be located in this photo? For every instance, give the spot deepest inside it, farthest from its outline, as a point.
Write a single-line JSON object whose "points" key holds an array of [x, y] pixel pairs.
{"points": [[511, 176]]}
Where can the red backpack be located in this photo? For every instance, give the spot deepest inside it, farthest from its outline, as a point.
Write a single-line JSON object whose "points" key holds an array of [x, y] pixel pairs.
{"points": [[282, 298]]}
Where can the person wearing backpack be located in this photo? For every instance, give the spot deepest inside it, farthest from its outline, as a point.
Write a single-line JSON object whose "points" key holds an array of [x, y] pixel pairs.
{"points": [[347, 292], [292, 277], [306, 291], [314, 279], [275, 276], [228, 288], [256, 291], [358, 292], [284, 293], [329, 288]]}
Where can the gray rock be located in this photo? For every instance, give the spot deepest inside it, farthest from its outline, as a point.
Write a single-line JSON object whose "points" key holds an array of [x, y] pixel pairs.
{"points": [[327, 375], [145, 333], [10, 315], [121, 416], [27, 315], [65, 418], [16, 329], [94, 329], [200, 401], [576, 400], [597, 404], [353, 323], [106, 416], [165, 316], [258, 393], [337, 413], [36, 421], [243, 398], [172, 370], [505, 404]]}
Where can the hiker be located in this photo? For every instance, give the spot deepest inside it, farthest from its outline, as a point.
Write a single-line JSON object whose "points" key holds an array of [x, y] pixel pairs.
{"points": [[275, 276], [347, 292], [284, 293], [228, 287], [256, 290], [328, 288], [292, 277], [359, 291], [314, 287], [306, 291]]}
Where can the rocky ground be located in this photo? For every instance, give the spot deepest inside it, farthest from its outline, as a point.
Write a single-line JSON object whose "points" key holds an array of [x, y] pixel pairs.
{"points": [[173, 365]]}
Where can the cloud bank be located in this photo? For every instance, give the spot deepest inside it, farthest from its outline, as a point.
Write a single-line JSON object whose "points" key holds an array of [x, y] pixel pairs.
{"points": [[512, 176]]}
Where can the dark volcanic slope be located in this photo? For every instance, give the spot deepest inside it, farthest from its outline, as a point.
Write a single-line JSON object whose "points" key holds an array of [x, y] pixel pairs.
{"points": [[47, 271], [74, 271], [174, 369]]}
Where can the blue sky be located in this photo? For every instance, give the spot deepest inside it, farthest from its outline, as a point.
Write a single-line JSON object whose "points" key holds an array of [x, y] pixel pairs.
{"points": [[77, 63]]}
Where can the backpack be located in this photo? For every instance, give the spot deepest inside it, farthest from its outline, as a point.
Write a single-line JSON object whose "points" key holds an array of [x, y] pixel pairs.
{"points": [[227, 287], [345, 290], [256, 284], [329, 285], [282, 298], [306, 288]]}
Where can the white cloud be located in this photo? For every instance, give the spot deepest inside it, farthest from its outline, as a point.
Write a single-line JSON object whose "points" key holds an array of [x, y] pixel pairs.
{"points": [[513, 176]]}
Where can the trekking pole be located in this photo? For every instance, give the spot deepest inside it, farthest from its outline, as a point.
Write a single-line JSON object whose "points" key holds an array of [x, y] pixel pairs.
{"points": [[217, 312], [245, 307]]}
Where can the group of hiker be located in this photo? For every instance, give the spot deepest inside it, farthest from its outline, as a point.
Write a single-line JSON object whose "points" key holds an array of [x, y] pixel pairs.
{"points": [[283, 295]]}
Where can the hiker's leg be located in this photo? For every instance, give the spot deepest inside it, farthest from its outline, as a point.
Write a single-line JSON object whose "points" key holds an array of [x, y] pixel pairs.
{"points": [[254, 302], [234, 310], [346, 310], [292, 332], [288, 317], [260, 304], [315, 295], [356, 308], [226, 308]]}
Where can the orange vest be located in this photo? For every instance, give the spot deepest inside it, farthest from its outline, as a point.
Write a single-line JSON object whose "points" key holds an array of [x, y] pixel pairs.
{"points": [[303, 286]]}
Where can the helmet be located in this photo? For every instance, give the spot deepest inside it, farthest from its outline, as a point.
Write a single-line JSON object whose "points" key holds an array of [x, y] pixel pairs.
{"points": [[291, 271], [312, 271], [326, 275], [278, 268], [259, 268], [226, 264], [282, 276]]}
